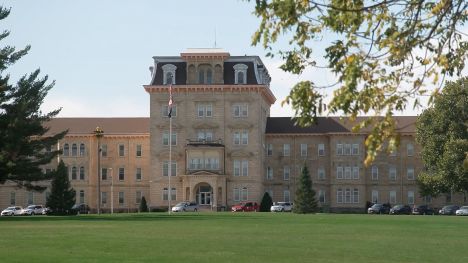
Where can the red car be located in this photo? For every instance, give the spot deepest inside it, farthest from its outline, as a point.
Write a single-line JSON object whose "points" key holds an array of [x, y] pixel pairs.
{"points": [[245, 207]]}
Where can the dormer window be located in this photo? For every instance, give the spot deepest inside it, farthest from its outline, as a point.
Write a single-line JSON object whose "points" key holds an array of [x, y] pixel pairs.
{"points": [[240, 73], [169, 71]]}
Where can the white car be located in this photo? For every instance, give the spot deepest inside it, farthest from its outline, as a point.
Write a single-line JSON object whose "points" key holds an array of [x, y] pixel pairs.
{"points": [[12, 211], [463, 211], [185, 207], [33, 210], [281, 207]]}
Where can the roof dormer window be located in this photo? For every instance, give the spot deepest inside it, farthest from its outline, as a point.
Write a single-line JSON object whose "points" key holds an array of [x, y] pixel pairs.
{"points": [[169, 71], [240, 73]]}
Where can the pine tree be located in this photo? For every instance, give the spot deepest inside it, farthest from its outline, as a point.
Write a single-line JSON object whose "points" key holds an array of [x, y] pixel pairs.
{"points": [[266, 203], [143, 205], [24, 148], [62, 196], [305, 196]]}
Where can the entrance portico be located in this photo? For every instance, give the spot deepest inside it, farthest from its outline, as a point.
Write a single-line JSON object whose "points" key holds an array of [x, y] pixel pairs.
{"points": [[207, 189]]}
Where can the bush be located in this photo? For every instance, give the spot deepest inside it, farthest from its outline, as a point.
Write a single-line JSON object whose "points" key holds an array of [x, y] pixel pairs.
{"points": [[266, 203], [143, 205]]}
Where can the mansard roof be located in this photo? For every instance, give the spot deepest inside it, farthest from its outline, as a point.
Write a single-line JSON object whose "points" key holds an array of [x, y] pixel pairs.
{"points": [[110, 126]]}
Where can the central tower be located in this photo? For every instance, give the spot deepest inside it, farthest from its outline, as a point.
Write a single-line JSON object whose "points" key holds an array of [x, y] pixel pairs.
{"points": [[220, 107]]}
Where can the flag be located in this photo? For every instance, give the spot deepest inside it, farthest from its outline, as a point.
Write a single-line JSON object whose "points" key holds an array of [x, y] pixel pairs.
{"points": [[169, 106]]}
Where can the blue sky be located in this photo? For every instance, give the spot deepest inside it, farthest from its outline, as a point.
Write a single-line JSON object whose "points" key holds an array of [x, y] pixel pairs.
{"points": [[99, 52]]}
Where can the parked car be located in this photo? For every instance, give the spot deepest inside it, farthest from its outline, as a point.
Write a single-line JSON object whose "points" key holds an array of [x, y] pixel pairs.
{"points": [[379, 209], [80, 209], [463, 211], [449, 210], [281, 207], [33, 210], [12, 211], [422, 210], [46, 211], [400, 210], [245, 207], [185, 207]]}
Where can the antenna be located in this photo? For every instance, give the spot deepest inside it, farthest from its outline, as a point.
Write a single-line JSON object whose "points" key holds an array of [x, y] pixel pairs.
{"points": [[215, 37]]}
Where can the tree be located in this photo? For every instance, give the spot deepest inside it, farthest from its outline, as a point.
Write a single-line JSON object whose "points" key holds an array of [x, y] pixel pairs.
{"points": [[266, 203], [305, 202], [62, 196], [442, 132], [383, 53], [143, 205], [24, 148]]}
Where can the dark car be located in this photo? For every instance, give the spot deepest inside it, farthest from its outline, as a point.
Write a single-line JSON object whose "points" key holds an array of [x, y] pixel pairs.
{"points": [[379, 209], [449, 210], [400, 210], [422, 210], [80, 209]]}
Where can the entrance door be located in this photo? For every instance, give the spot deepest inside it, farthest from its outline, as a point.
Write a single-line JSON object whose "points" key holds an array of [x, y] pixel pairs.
{"points": [[204, 193]]}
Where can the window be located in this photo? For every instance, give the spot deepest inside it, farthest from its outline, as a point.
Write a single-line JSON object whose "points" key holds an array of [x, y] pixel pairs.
{"points": [[245, 168], [428, 199], [303, 149], [347, 149], [82, 149], [138, 174], [339, 172], [347, 172], [165, 138], [103, 198], [169, 74], [321, 149], [240, 110], [121, 198], [104, 174], [392, 197], [448, 198], [355, 195], [166, 168], [321, 173], [339, 196], [348, 196], [269, 174], [196, 164], [322, 196], [236, 194], [375, 196], [121, 174], [339, 149], [30, 198], [82, 173], [201, 76], [237, 167], [74, 149], [286, 196], [209, 76], [12, 198], [240, 73], [356, 172], [205, 110], [244, 194], [410, 149], [269, 149], [138, 197], [286, 149], [241, 168], [166, 194], [241, 137], [121, 150], [104, 150], [138, 150], [392, 173], [73, 173], [355, 149], [410, 197], [410, 173], [82, 199], [375, 172], [286, 173], [66, 149], [205, 135], [165, 110]]}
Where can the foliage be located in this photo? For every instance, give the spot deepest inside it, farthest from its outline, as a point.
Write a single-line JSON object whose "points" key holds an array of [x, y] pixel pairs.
{"points": [[62, 196], [383, 53], [305, 202], [24, 148], [266, 203], [143, 205], [442, 131]]}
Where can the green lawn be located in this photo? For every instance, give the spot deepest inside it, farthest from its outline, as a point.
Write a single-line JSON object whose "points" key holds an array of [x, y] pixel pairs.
{"points": [[234, 237]]}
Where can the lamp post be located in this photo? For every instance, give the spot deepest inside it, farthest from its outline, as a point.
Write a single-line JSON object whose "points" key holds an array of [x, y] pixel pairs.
{"points": [[112, 191], [98, 132]]}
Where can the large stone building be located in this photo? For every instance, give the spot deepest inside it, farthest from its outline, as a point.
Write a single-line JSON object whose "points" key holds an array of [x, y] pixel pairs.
{"points": [[225, 147]]}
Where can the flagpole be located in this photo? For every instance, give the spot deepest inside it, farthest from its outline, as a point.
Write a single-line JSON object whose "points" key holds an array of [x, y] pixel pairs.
{"points": [[170, 149]]}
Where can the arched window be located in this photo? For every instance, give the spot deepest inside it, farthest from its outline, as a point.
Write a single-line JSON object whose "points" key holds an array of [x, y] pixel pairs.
{"points": [[82, 149], [240, 73], [82, 173], [240, 77], [209, 76], [169, 74], [201, 76], [74, 149], [169, 78], [73, 173], [66, 149]]}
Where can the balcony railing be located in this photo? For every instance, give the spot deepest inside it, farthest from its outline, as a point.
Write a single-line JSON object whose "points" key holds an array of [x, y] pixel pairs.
{"points": [[207, 142]]}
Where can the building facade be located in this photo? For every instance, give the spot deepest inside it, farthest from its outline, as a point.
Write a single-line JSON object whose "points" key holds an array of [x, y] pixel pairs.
{"points": [[221, 147]]}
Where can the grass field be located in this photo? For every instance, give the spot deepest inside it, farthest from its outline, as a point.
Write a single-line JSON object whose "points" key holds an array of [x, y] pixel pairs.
{"points": [[234, 237]]}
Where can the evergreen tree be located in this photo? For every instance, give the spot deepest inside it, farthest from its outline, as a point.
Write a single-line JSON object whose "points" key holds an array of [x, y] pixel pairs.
{"points": [[266, 203], [24, 146], [62, 196], [305, 196], [143, 205]]}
